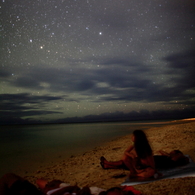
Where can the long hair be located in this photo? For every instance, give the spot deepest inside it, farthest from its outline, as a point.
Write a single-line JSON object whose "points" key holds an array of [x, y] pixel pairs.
{"points": [[142, 146]]}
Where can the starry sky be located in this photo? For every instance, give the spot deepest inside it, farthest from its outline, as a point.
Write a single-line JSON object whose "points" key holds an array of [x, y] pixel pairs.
{"points": [[68, 60]]}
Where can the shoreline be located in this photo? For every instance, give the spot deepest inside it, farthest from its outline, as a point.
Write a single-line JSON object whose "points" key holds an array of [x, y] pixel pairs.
{"points": [[85, 169], [56, 148]]}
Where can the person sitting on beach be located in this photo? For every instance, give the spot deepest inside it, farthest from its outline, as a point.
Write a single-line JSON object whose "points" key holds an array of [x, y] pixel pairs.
{"points": [[138, 158], [170, 160]]}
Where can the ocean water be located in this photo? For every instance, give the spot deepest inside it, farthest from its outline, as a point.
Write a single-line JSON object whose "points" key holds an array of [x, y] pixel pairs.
{"points": [[25, 148]]}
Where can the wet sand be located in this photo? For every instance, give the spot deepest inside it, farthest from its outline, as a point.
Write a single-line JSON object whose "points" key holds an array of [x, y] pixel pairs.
{"points": [[85, 169]]}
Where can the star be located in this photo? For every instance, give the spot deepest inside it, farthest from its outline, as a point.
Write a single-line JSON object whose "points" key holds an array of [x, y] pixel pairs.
{"points": [[126, 53]]}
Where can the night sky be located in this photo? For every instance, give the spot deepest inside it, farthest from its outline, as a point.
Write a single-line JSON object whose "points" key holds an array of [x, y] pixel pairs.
{"points": [[96, 59]]}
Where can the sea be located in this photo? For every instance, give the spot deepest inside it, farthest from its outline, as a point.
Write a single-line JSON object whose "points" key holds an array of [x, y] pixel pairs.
{"points": [[24, 149]]}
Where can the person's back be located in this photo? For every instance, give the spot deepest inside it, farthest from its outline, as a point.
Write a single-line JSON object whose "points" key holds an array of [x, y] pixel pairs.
{"points": [[146, 168]]}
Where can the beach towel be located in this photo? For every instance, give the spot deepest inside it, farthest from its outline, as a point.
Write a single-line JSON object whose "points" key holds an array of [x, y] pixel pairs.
{"points": [[178, 172]]}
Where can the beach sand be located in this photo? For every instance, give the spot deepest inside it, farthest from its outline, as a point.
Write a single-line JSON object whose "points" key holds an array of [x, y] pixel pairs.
{"points": [[86, 170]]}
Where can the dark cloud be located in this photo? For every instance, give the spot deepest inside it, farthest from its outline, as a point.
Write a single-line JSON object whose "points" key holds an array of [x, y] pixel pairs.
{"points": [[181, 67], [26, 82], [27, 98], [122, 79], [4, 74], [13, 107]]}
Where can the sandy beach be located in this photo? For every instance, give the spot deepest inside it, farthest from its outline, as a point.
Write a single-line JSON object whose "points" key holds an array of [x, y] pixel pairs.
{"points": [[86, 170]]}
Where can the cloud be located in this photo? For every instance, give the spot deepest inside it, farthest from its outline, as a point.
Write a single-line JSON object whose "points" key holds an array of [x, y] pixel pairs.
{"points": [[181, 66], [4, 74], [113, 79], [15, 106], [181, 73]]}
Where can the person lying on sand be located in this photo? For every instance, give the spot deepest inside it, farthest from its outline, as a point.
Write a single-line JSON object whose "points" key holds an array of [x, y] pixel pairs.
{"points": [[12, 184], [170, 160], [16, 185], [138, 158], [57, 187]]}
